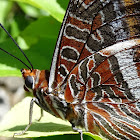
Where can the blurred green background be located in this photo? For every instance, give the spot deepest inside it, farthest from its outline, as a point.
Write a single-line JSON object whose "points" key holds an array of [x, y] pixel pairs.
{"points": [[35, 25]]}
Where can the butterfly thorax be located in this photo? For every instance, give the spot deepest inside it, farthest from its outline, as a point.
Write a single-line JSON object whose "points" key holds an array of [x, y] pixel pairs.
{"points": [[36, 81]]}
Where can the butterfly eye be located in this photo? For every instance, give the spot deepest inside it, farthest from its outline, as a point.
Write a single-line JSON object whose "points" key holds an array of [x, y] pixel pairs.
{"points": [[22, 71], [29, 82]]}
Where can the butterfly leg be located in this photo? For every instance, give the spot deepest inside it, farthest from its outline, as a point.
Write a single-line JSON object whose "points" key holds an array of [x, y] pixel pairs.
{"points": [[78, 130], [41, 114], [30, 118]]}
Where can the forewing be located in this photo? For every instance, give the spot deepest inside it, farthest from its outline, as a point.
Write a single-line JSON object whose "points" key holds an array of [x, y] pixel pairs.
{"points": [[89, 26]]}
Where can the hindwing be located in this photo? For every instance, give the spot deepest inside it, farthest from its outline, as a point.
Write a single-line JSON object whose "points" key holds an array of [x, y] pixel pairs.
{"points": [[106, 85]]}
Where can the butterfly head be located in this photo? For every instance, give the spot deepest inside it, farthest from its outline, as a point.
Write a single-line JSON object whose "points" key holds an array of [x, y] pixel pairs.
{"points": [[29, 77], [35, 79]]}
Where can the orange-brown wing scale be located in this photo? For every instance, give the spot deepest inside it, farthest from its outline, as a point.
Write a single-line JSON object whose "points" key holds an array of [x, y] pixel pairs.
{"points": [[109, 91]]}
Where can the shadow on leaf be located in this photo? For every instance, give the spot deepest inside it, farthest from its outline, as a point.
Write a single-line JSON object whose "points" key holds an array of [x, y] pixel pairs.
{"points": [[43, 127], [65, 137]]}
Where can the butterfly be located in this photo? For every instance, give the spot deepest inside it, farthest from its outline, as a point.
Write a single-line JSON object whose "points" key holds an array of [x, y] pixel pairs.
{"points": [[94, 79]]}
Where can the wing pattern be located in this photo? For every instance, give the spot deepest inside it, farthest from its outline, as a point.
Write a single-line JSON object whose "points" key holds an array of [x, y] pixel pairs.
{"points": [[96, 65], [106, 87], [89, 26]]}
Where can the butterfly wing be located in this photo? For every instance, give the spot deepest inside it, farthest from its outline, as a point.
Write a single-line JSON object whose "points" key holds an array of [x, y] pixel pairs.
{"points": [[89, 26], [91, 69], [109, 92]]}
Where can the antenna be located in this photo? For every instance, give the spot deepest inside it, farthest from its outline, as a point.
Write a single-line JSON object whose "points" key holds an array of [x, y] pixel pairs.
{"points": [[18, 48], [16, 58]]}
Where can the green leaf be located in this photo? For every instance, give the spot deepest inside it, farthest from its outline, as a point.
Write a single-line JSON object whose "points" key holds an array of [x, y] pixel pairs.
{"points": [[50, 6], [86, 136], [5, 6], [17, 119], [44, 27], [30, 10], [41, 35], [10, 71]]}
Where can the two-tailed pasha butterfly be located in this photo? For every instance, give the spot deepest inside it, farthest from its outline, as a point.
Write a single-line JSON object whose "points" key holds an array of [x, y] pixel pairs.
{"points": [[94, 80]]}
